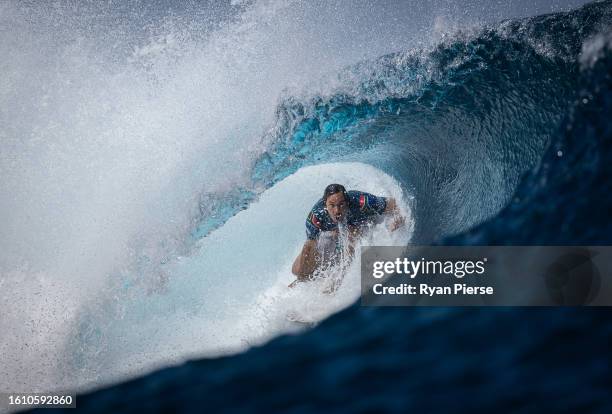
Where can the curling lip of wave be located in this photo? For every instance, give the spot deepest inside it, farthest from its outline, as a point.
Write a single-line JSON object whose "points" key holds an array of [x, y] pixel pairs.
{"points": [[564, 200], [457, 124]]}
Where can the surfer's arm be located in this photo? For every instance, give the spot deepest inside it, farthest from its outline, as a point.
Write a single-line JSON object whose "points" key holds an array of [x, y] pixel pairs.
{"points": [[392, 210], [307, 261]]}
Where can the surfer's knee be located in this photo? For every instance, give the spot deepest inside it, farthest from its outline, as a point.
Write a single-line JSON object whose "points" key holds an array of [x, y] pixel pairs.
{"points": [[296, 269], [300, 274]]}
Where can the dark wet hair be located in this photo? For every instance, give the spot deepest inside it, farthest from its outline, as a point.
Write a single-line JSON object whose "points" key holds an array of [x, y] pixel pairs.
{"points": [[334, 189]]}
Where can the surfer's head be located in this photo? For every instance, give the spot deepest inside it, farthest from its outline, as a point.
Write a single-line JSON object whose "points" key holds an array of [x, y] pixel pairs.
{"points": [[336, 201]]}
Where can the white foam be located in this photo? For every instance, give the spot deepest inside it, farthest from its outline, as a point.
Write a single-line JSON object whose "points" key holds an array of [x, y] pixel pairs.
{"points": [[112, 126], [232, 293]]}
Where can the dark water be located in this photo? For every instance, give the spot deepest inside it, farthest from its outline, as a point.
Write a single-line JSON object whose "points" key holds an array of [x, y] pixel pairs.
{"points": [[506, 139]]}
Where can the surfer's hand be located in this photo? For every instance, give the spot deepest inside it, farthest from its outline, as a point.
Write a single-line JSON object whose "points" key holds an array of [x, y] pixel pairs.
{"points": [[393, 211], [396, 222]]}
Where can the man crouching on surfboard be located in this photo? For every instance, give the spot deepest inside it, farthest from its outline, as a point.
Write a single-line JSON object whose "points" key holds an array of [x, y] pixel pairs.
{"points": [[340, 208]]}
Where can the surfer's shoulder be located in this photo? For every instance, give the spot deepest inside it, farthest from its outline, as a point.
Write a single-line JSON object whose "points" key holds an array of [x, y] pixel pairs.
{"points": [[353, 197], [366, 202], [318, 209]]}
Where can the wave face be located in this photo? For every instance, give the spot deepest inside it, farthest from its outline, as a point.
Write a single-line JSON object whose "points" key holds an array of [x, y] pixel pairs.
{"points": [[493, 135], [565, 199], [457, 124], [424, 359]]}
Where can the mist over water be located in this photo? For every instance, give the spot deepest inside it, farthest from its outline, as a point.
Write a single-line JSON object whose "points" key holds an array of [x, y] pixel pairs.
{"points": [[114, 120]]}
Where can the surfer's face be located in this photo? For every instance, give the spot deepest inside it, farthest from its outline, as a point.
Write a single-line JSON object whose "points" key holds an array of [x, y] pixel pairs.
{"points": [[336, 206]]}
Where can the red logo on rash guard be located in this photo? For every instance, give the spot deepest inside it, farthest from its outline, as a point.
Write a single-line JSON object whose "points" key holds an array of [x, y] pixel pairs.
{"points": [[314, 220], [362, 201]]}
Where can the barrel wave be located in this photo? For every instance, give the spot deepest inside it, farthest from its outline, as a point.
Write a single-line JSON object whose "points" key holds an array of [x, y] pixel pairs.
{"points": [[457, 124], [498, 134]]}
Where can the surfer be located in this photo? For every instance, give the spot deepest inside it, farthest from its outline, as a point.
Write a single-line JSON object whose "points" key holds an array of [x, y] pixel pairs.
{"points": [[340, 209]]}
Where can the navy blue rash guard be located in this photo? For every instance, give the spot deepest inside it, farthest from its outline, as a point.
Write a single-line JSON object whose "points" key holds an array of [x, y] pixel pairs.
{"points": [[362, 208]]}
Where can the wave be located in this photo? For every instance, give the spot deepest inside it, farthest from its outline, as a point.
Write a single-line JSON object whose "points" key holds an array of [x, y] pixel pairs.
{"points": [[406, 353], [565, 199], [222, 300], [457, 124], [467, 132]]}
